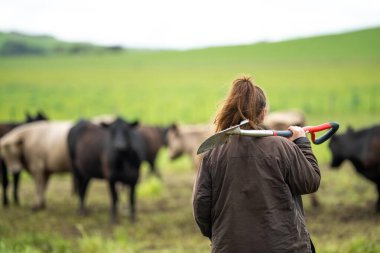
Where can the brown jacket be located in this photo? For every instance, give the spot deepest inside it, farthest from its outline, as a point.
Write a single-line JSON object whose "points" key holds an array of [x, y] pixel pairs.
{"points": [[247, 195]]}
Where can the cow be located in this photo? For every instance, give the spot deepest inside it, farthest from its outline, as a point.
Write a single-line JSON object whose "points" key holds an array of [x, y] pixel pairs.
{"points": [[186, 139], [154, 138], [39, 147], [362, 149], [106, 151], [5, 128], [281, 120]]}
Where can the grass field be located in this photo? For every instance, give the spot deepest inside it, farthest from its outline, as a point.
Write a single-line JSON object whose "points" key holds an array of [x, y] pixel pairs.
{"points": [[329, 78], [322, 76], [346, 221]]}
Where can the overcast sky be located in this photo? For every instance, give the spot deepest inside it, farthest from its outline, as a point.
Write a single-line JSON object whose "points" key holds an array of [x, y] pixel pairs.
{"points": [[178, 24]]}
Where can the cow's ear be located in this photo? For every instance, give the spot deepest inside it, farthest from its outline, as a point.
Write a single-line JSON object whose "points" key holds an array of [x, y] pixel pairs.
{"points": [[28, 117], [174, 127], [41, 115], [134, 124], [350, 129]]}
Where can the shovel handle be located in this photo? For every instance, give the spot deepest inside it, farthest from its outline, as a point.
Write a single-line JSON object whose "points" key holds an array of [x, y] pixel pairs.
{"points": [[333, 126]]}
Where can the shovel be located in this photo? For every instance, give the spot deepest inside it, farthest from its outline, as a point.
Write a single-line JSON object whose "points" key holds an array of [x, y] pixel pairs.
{"points": [[222, 137]]}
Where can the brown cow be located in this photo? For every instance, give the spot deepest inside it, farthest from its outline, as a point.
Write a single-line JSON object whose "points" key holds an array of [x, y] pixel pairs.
{"points": [[281, 120], [185, 139], [154, 139], [111, 152], [362, 149]]}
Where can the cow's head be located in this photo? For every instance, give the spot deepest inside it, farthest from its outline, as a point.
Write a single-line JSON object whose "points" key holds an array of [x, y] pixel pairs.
{"points": [[121, 136], [11, 152], [339, 146], [175, 142]]}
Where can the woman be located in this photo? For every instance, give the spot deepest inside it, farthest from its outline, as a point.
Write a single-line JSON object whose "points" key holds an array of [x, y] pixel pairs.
{"points": [[247, 196]]}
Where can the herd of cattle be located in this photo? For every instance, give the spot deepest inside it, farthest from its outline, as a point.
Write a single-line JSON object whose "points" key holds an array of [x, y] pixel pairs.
{"points": [[113, 149]]}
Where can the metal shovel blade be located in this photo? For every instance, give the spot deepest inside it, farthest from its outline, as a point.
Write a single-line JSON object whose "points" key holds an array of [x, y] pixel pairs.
{"points": [[219, 138]]}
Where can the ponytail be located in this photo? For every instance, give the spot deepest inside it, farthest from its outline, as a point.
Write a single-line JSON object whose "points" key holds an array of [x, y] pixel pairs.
{"points": [[244, 101]]}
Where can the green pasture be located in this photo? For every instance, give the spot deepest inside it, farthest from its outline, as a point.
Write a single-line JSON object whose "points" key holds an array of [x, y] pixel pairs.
{"points": [[332, 75], [344, 223], [330, 78]]}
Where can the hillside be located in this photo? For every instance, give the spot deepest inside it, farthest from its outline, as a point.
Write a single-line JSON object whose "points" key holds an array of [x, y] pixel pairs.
{"points": [[357, 44], [15, 44]]}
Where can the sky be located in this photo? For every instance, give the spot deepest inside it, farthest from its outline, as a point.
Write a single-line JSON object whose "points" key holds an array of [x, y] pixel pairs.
{"points": [[179, 24]]}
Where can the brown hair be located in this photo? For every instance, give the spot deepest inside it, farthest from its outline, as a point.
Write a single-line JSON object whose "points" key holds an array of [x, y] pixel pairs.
{"points": [[244, 101]]}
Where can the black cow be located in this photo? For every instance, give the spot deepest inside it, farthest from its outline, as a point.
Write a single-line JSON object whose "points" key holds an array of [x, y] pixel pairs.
{"points": [[108, 152], [362, 148], [154, 138], [4, 129]]}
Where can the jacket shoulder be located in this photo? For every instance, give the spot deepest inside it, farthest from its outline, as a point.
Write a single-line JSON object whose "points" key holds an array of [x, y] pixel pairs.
{"points": [[277, 142]]}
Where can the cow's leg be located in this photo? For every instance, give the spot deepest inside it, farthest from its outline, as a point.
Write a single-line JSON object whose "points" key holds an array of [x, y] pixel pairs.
{"points": [[153, 169], [41, 178], [74, 186], [314, 200], [114, 200], [132, 202], [5, 182], [82, 184], [378, 200], [16, 181]]}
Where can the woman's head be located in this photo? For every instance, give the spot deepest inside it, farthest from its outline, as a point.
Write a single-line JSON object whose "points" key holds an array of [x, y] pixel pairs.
{"points": [[244, 101]]}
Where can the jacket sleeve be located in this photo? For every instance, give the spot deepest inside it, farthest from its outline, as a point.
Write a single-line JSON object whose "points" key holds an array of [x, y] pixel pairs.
{"points": [[304, 175], [202, 194]]}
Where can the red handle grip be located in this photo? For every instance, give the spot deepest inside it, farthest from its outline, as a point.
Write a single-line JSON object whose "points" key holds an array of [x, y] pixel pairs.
{"points": [[313, 129], [333, 126]]}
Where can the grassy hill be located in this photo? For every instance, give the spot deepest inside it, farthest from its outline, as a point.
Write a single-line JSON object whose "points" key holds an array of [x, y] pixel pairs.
{"points": [[16, 44], [363, 44]]}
